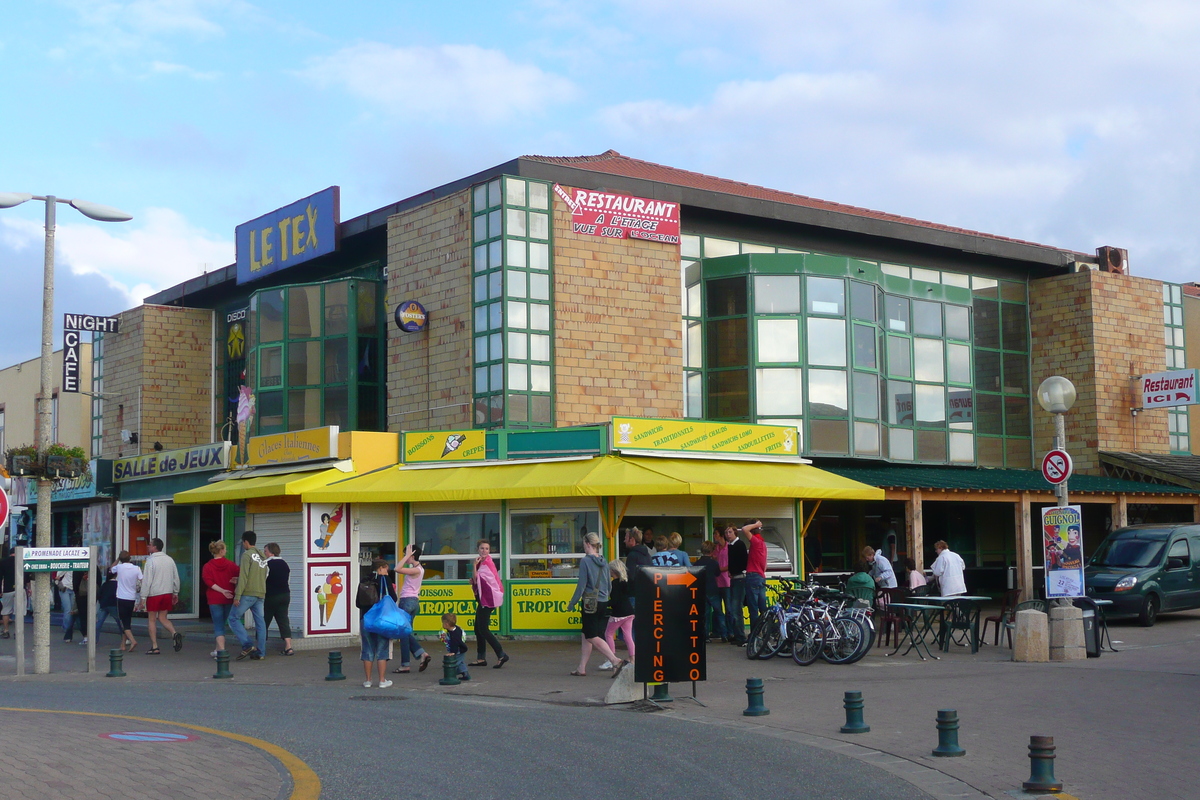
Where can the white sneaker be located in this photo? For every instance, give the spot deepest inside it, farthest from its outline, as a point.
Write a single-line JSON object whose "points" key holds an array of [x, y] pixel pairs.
{"points": [[366, 684], [607, 665], [384, 685], [84, 641], [213, 654]]}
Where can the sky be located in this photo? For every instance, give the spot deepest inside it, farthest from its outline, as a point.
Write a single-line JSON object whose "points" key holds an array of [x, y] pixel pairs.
{"points": [[1072, 124]]}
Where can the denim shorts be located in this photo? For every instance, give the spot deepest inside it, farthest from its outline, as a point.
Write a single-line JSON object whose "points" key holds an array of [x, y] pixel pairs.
{"points": [[220, 614], [375, 647]]}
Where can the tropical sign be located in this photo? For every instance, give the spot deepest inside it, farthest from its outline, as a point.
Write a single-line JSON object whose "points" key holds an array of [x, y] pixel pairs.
{"points": [[542, 606], [441, 446], [697, 436]]}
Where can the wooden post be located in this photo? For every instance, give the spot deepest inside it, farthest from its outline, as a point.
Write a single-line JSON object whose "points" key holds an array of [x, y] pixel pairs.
{"points": [[1120, 512], [916, 528], [1024, 535]]}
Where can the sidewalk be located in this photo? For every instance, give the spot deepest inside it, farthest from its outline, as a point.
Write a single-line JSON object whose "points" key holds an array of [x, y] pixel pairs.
{"points": [[1122, 723]]}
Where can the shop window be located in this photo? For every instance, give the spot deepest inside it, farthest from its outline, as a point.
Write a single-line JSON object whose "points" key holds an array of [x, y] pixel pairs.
{"points": [[726, 297], [863, 301], [775, 294], [900, 444], [449, 542], [899, 356], [826, 296], [864, 347], [828, 436], [931, 446], [899, 403], [866, 395], [727, 343], [779, 392], [931, 406], [728, 394], [827, 395], [548, 544], [896, 309], [826, 342], [958, 363], [1014, 326], [958, 322], [866, 438], [928, 360], [927, 318]]}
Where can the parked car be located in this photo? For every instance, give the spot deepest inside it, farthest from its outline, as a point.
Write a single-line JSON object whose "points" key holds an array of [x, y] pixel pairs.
{"points": [[1145, 570]]}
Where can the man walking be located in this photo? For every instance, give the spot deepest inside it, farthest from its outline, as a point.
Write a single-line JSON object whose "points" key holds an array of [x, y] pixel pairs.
{"points": [[756, 571], [160, 588], [948, 569], [248, 596]]}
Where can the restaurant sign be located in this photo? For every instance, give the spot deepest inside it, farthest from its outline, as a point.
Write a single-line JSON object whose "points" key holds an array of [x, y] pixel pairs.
{"points": [[1162, 389], [696, 436], [619, 216], [312, 444], [440, 446], [172, 462]]}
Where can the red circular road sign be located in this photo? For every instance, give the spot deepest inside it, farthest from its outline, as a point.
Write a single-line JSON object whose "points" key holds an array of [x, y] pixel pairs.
{"points": [[1057, 466], [3, 507]]}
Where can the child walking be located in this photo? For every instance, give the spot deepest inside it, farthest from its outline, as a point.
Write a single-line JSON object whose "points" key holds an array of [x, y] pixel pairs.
{"points": [[455, 644]]}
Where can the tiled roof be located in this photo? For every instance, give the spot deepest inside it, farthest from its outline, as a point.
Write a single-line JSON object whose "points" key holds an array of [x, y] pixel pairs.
{"points": [[613, 163], [993, 480]]}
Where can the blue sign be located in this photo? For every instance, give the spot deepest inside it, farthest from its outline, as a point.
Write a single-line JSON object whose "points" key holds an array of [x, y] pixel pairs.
{"points": [[288, 236], [411, 316]]}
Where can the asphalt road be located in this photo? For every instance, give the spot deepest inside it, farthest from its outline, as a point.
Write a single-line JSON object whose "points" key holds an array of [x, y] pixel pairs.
{"points": [[418, 744]]}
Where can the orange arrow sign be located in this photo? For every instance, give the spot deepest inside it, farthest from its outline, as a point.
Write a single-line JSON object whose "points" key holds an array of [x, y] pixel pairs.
{"points": [[686, 578]]}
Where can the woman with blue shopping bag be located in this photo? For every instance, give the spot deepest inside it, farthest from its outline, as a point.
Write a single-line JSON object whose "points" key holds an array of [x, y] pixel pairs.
{"points": [[381, 623]]}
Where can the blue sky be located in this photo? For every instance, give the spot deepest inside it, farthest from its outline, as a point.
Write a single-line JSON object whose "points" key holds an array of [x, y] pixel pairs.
{"points": [[1067, 123]]}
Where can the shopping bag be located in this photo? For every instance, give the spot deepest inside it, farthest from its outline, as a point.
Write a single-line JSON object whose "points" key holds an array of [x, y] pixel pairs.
{"points": [[388, 620]]}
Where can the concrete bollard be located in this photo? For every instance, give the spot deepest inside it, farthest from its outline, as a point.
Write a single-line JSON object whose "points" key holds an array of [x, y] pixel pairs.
{"points": [[222, 665], [449, 670], [335, 666], [1041, 766], [754, 699], [662, 693], [947, 725], [1066, 634], [1031, 640], [853, 702], [115, 660]]}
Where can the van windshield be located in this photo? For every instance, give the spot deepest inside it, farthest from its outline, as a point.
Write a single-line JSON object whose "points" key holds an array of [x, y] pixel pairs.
{"points": [[1129, 552]]}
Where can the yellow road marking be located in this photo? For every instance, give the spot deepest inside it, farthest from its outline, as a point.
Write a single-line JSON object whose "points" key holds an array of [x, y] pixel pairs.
{"points": [[305, 783]]}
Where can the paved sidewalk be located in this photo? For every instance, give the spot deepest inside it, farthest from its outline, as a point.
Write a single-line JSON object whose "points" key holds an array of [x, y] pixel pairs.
{"points": [[1124, 724]]}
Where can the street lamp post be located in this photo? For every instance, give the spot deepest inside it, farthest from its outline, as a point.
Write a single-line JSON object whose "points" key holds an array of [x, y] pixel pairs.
{"points": [[1056, 394], [41, 580]]}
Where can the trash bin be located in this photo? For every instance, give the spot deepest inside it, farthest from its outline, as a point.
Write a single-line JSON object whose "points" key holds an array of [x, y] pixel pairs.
{"points": [[1091, 626]]}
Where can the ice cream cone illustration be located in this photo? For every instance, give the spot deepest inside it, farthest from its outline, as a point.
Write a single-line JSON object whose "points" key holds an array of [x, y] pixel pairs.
{"points": [[332, 593], [329, 526], [453, 442]]}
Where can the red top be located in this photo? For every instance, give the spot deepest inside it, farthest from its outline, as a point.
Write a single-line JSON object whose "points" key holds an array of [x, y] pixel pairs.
{"points": [[758, 555], [221, 572]]}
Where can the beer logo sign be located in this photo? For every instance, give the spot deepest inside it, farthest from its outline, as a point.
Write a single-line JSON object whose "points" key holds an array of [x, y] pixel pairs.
{"points": [[411, 316]]}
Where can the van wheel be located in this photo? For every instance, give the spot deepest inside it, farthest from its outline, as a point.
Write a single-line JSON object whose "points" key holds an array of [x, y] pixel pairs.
{"points": [[1149, 612]]}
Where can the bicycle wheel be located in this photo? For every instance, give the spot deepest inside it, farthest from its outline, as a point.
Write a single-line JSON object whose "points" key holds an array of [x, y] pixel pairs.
{"points": [[808, 640], [868, 641], [767, 639], [848, 636], [754, 643]]}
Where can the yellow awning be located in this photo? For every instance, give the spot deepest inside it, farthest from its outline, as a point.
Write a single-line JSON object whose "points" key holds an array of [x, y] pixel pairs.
{"points": [[604, 476], [235, 490]]}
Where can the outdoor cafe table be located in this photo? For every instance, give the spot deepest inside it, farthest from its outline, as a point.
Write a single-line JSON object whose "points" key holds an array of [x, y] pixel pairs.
{"points": [[918, 621], [965, 617]]}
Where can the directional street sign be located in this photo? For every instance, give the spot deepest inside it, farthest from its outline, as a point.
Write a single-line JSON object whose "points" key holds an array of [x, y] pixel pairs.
{"points": [[56, 559], [669, 624], [1057, 466]]}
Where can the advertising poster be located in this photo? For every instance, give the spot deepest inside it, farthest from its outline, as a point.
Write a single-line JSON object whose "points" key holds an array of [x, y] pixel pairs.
{"points": [[619, 216], [328, 529], [328, 604], [1062, 539]]}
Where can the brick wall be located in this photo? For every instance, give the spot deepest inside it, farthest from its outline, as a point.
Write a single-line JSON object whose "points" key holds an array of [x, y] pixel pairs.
{"points": [[429, 260], [1098, 329], [166, 352], [618, 341]]}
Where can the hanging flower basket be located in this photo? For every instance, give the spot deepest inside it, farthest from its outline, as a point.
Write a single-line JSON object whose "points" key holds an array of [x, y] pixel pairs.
{"points": [[65, 467], [23, 460], [61, 461]]}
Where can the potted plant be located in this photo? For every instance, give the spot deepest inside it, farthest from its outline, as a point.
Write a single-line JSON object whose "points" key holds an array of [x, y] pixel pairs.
{"points": [[23, 460], [65, 462]]}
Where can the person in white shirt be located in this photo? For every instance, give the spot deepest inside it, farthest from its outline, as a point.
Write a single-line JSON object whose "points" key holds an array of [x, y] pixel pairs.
{"points": [[129, 581], [948, 569], [881, 568]]}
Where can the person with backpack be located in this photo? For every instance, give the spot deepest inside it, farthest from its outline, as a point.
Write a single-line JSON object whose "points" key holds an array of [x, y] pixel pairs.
{"points": [[489, 596], [376, 648], [106, 605], [664, 554]]}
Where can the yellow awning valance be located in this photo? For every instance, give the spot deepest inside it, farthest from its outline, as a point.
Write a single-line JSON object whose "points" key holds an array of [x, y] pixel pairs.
{"points": [[235, 490], [603, 476]]}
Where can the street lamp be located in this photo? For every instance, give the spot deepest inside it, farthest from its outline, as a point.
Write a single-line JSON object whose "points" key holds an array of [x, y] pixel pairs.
{"points": [[1056, 394], [41, 580]]}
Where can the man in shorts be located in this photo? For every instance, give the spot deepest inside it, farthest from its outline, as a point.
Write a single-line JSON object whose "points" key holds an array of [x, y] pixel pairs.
{"points": [[8, 589], [160, 588]]}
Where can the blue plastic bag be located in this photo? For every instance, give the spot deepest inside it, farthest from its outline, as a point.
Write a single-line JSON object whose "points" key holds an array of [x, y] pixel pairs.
{"points": [[388, 620]]}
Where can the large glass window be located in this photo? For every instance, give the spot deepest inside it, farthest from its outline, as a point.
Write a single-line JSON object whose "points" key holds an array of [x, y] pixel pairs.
{"points": [[548, 544], [449, 542]]}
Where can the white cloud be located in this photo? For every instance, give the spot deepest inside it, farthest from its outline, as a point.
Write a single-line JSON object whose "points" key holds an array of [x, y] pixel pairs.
{"points": [[159, 249], [449, 81]]}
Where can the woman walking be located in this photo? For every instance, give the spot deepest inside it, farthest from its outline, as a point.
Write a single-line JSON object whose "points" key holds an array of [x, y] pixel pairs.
{"points": [[279, 597], [620, 610], [591, 594], [377, 648], [489, 596], [129, 581], [219, 576], [410, 567]]}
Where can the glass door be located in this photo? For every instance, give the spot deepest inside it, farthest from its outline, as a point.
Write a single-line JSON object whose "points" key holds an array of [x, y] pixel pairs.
{"points": [[177, 528]]}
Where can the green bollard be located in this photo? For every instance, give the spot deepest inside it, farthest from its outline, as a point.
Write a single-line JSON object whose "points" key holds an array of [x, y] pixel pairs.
{"points": [[223, 665], [754, 699], [335, 666], [115, 658], [662, 693], [449, 670], [1041, 766], [947, 725], [853, 702]]}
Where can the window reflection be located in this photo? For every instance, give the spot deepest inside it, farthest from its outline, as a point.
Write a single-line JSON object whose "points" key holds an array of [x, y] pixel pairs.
{"points": [[827, 393], [826, 342], [777, 294]]}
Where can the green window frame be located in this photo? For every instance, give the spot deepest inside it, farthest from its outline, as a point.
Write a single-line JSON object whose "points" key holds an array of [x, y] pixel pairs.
{"points": [[1178, 433]]}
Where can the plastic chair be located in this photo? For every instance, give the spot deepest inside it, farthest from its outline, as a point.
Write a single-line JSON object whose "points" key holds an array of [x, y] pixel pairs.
{"points": [[1010, 624], [889, 621], [1011, 598]]}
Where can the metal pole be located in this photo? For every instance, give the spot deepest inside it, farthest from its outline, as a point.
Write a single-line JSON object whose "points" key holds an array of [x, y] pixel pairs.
{"points": [[1060, 443], [45, 486], [90, 630], [20, 609]]}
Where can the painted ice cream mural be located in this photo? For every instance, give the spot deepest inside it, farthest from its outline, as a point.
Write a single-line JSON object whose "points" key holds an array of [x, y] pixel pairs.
{"points": [[329, 526], [327, 596]]}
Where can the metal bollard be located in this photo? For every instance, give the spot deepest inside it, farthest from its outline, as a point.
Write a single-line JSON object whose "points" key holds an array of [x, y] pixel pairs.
{"points": [[853, 702], [662, 693], [1041, 766], [223, 665], [449, 670], [115, 659], [947, 725], [335, 666], [754, 699]]}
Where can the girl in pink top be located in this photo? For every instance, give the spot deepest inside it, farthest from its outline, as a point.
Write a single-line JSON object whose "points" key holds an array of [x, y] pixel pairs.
{"points": [[489, 596], [410, 567], [721, 554]]}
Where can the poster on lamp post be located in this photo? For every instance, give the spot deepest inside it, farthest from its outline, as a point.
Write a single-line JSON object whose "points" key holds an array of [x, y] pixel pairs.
{"points": [[1062, 542]]}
